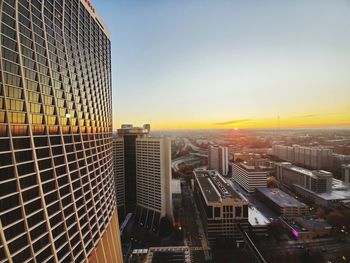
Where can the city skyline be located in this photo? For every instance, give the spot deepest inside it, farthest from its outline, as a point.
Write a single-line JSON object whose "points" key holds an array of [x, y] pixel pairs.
{"points": [[230, 64]]}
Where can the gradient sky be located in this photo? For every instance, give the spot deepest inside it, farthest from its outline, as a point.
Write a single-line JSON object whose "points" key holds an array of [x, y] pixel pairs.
{"points": [[222, 64]]}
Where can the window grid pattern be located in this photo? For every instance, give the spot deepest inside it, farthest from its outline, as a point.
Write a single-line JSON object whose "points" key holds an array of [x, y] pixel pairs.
{"points": [[119, 171], [57, 192], [149, 171]]}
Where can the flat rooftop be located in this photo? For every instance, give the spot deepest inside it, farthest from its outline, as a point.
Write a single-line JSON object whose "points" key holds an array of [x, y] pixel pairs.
{"points": [[335, 195], [214, 186], [280, 198], [251, 168], [313, 224], [339, 185], [179, 254], [256, 218], [301, 170], [301, 224]]}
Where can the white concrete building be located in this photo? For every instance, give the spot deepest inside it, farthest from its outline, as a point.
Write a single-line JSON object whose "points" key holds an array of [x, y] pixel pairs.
{"points": [[249, 177], [153, 180], [218, 159]]}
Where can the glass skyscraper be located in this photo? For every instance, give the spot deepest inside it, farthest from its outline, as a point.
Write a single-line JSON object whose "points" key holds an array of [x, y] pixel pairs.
{"points": [[57, 194]]}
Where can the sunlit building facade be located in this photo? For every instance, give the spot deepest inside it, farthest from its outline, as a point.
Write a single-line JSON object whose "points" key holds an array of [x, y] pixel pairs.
{"points": [[143, 176], [218, 159], [57, 194], [153, 181]]}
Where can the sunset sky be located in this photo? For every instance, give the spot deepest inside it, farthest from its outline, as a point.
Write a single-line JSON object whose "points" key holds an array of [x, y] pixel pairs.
{"points": [[223, 64]]}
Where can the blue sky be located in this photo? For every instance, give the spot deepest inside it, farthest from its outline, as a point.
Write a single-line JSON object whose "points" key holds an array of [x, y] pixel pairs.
{"points": [[191, 64]]}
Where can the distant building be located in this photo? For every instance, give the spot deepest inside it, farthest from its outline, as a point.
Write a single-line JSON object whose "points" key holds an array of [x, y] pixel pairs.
{"points": [[285, 153], [142, 172], [221, 208], [306, 156], [281, 202], [245, 156], [218, 159], [318, 181], [339, 160], [339, 195], [342, 149], [346, 173], [249, 177]]}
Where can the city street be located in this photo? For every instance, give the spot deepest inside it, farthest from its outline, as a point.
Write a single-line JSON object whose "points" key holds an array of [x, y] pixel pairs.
{"points": [[192, 234]]}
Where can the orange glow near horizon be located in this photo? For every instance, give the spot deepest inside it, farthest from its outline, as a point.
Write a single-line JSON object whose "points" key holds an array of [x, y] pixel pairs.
{"points": [[339, 120]]}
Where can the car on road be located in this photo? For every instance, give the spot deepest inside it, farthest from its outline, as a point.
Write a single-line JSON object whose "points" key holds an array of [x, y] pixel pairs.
{"points": [[323, 249], [300, 246]]}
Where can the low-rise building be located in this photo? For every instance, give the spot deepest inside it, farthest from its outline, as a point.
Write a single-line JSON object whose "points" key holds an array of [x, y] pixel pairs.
{"points": [[248, 176], [281, 202], [318, 181], [221, 208], [339, 195], [258, 222], [176, 254], [317, 186], [306, 229]]}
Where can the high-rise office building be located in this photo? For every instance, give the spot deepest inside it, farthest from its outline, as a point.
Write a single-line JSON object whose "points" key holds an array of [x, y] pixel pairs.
{"points": [[218, 159], [124, 148], [119, 172], [153, 177], [143, 175], [57, 194]]}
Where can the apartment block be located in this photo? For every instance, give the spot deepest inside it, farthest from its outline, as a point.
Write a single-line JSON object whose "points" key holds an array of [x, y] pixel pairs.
{"points": [[218, 159], [143, 175], [153, 181], [306, 156]]}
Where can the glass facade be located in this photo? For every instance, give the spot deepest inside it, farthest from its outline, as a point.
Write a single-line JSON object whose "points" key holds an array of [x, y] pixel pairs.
{"points": [[57, 194]]}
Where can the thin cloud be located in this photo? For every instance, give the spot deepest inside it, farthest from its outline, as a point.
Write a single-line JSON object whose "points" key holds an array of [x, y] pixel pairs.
{"points": [[313, 115], [232, 122]]}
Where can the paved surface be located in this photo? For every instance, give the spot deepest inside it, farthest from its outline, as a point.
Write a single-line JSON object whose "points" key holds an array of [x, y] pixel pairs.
{"points": [[192, 226]]}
